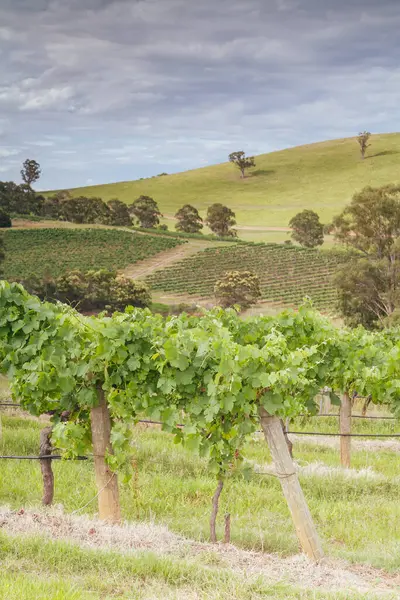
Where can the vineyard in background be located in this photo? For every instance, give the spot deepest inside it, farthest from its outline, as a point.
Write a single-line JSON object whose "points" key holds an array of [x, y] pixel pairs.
{"points": [[56, 251], [287, 273]]}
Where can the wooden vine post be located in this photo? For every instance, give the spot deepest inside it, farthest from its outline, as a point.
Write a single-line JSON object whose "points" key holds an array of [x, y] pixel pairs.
{"points": [[345, 430], [46, 467], [284, 467], [325, 402], [106, 480]]}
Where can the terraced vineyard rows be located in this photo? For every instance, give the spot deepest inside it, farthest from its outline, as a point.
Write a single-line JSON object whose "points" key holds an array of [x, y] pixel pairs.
{"points": [[287, 274], [55, 251]]}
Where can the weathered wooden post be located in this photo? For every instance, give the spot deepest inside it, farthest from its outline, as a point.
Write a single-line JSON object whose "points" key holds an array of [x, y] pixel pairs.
{"points": [[284, 467], [106, 480], [325, 402], [46, 466], [345, 430]]}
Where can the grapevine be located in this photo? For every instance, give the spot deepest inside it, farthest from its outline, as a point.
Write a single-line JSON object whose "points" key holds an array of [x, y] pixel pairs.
{"points": [[215, 374]]}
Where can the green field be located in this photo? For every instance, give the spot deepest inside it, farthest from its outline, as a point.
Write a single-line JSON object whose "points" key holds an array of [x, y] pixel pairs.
{"points": [[321, 176], [55, 251], [287, 273], [173, 488]]}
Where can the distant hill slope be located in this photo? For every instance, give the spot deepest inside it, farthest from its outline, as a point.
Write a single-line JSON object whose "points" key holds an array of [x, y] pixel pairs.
{"points": [[320, 176], [55, 251], [287, 273]]}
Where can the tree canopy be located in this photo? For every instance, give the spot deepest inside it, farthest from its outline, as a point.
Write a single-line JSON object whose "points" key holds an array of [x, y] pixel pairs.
{"points": [[242, 161], [30, 172], [368, 283], [220, 220], [146, 210], [363, 139], [371, 222], [189, 219], [307, 229], [238, 288]]}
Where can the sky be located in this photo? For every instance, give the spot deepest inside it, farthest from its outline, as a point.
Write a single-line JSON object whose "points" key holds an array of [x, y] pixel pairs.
{"points": [[110, 90]]}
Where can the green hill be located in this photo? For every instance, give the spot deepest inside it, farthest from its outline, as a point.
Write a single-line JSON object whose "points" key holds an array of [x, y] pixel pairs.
{"points": [[55, 251], [320, 176], [287, 273]]}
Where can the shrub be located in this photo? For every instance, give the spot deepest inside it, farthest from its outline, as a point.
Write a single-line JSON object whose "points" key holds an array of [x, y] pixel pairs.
{"points": [[91, 290], [238, 287], [5, 219]]}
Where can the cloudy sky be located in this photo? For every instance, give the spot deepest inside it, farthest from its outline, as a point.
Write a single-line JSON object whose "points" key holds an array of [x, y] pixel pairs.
{"points": [[108, 90]]}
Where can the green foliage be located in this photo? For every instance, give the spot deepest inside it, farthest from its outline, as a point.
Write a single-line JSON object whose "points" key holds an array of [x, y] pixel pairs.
{"points": [[220, 220], [210, 373], [5, 220], [19, 199], [287, 273], [191, 236], [371, 222], [307, 229], [238, 287], [1, 255], [189, 219], [53, 252], [84, 210], [30, 172], [91, 291], [321, 176], [119, 213], [363, 139], [370, 225], [146, 210], [242, 161], [368, 291]]}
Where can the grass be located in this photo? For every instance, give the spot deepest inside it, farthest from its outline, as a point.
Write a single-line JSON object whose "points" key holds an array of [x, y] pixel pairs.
{"points": [[173, 487], [58, 571], [55, 251], [321, 176], [287, 273]]}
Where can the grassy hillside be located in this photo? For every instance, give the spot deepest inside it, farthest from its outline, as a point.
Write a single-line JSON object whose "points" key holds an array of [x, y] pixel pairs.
{"points": [[320, 176], [55, 251], [287, 273]]}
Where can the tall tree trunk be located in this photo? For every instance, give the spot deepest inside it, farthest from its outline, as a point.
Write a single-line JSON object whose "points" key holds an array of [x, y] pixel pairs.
{"points": [[46, 467], [284, 467], [107, 482]]}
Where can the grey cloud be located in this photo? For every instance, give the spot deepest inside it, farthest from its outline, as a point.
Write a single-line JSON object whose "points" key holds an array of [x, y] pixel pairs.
{"points": [[125, 87]]}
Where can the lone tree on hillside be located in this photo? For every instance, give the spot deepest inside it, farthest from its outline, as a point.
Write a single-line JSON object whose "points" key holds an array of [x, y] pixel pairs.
{"points": [[362, 139], [30, 172], [189, 219], [369, 283], [307, 229], [119, 213], [242, 161], [146, 210], [220, 220], [238, 287]]}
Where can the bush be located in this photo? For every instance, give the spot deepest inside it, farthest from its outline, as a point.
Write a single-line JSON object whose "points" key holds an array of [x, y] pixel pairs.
{"points": [[5, 219], [91, 291], [238, 287]]}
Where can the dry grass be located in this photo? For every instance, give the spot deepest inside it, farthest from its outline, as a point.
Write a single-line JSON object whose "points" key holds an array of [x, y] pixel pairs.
{"points": [[330, 575]]}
